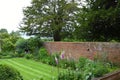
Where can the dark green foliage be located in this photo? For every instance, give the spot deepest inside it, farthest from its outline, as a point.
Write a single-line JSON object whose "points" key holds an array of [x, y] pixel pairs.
{"points": [[99, 21], [81, 63], [45, 57], [34, 44], [84, 69], [9, 73], [9, 54], [41, 55], [53, 18], [28, 56], [64, 63], [21, 45], [70, 75], [3, 30], [31, 45], [101, 70], [7, 41]]}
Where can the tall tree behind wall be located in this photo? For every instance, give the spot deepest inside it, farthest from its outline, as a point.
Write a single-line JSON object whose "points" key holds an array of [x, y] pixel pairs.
{"points": [[100, 20], [49, 18], [3, 33]]}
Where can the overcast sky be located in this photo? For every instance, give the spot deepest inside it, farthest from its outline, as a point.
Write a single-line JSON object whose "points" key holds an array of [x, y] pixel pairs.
{"points": [[11, 13]]}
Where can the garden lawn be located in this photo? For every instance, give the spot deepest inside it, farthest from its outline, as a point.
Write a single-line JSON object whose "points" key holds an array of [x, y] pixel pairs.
{"points": [[31, 70]]}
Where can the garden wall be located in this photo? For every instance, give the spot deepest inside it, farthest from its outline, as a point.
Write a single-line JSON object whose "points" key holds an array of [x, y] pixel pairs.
{"points": [[106, 50]]}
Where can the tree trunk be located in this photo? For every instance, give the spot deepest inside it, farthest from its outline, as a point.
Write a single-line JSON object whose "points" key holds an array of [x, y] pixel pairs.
{"points": [[57, 36]]}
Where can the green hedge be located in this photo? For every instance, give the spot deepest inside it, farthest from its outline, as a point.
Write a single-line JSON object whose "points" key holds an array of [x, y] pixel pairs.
{"points": [[9, 73]]}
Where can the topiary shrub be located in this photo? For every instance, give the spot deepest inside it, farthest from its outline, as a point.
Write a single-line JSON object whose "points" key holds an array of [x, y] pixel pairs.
{"points": [[9, 73]]}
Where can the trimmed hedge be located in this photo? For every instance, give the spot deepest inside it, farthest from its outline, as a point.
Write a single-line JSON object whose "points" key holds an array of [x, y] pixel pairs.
{"points": [[9, 73]]}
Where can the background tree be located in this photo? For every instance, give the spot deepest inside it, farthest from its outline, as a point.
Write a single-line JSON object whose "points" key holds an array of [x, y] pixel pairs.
{"points": [[3, 34], [31, 45], [49, 18], [3, 30], [21, 45], [100, 20], [8, 40]]}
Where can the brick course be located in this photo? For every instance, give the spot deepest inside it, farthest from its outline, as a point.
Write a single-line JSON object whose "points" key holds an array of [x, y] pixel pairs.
{"points": [[86, 49]]}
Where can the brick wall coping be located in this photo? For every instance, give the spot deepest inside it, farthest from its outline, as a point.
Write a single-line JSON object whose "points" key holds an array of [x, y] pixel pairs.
{"points": [[87, 42], [79, 42]]}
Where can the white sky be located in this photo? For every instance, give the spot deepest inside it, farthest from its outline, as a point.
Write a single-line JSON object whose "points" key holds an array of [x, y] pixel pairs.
{"points": [[11, 13]]}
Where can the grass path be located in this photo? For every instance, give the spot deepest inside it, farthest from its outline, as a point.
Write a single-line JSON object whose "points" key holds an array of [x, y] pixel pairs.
{"points": [[31, 70]]}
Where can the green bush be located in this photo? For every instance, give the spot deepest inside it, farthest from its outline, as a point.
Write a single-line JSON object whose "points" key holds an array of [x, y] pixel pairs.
{"points": [[15, 54], [43, 53], [9, 73], [3, 53], [45, 57], [21, 45], [70, 75], [64, 63], [28, 56], [100, 69], [21, 54], [1, 57], [82, 62], [84, 69], [6, 54], [30, 45]]}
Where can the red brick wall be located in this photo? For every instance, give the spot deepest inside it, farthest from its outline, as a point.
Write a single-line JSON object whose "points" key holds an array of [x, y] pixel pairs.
{"points": [[86, 49]]}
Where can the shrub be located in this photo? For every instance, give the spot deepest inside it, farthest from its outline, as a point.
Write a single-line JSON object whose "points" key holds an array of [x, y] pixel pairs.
{"points": [[34, 43], [82, 62], [21, 54], [6, 54], [1, 57], [43, 53], [100, 69], [15, 54], [21, 45], [84, 69], [64, 63], [3, 53], [44, 57], [9, 73], [70, 75], [30, 45], [28, 56]]}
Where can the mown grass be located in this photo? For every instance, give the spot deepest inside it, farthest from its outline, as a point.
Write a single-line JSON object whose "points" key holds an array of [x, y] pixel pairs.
{"points": [[32, 70]]}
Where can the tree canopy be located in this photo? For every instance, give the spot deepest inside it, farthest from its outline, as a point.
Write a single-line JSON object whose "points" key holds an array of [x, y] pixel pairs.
{"points": [[100, 20], [91, 20], [49, 18], [3, 30], [8, 40]]}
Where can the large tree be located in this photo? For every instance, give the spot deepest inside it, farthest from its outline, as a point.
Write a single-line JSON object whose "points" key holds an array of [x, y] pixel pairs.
{"points": [[2, 32], [100, 20], [49, 18], [7, 41]]}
